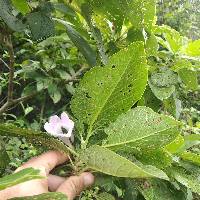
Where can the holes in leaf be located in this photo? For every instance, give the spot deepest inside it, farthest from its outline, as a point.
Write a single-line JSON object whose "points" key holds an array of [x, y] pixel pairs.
{"points": [[87, 95], [129, 75], [113, 66], [99, 83], [130, 85]]}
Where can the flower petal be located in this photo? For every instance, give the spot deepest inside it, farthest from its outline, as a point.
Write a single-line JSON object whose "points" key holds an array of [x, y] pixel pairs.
{"points": [[48, 128], [67, 123], [54, 120]]}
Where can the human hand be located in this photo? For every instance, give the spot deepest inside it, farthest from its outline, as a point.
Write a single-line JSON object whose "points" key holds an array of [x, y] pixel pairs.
{"points": [[71, 186]]}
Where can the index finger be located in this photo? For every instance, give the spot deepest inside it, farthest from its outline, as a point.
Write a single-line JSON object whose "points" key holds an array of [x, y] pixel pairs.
{"points": [[48, 161]]}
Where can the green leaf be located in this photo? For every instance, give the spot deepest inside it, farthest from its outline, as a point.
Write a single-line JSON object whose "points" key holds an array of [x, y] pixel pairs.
{"points": [[4, 158], [173, 106], [6, 13], [106, 92], [191, 157], [173, 40], [96, 33], [21, 5], [131, 191], [159, 190], [158, 158], [104, 196], [19, 177], [162, 92], [150, 100], [64, 8], [193, 48], [80, 43], [188, 180], [151, 46], [141, 128], [181, 64], [164, 78], [106, 161], [189, 78], [45, 196], [140, 12], [41, 25], [176, 146], [54, 93], [191, 140], [37, 138]]}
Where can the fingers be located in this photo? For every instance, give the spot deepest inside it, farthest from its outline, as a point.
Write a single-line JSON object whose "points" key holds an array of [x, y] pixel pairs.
{"points": [[48, 161], [74, 185], [54, 182]]}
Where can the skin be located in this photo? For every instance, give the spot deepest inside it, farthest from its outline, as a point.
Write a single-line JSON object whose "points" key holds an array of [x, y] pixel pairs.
{"points": [[71, 186]]}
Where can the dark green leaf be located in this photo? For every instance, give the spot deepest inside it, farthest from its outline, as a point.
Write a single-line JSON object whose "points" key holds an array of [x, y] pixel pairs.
{"points": [[41, 25], [80, 43], [6, 13]]}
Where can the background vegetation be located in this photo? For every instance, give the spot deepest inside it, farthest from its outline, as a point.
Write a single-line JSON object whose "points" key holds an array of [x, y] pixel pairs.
{"points": [[42, 65]]}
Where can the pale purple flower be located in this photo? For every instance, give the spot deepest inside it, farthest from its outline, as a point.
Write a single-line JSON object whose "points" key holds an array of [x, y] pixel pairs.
{"points": [[61, 127]]}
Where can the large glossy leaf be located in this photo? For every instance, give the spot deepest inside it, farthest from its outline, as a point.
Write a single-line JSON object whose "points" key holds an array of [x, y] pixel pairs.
{"points": [[141, 128], [80, 43], [106, 161], [45, 196], [106, 92], [38, 138], [19, 177]]}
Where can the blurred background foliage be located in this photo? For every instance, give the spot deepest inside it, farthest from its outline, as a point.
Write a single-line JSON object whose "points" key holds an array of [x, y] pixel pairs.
{"points": [[48, 70]]}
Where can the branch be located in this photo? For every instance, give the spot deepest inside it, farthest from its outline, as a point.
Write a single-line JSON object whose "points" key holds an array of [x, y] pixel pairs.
{"points": [[8, 43], [16, 101]]}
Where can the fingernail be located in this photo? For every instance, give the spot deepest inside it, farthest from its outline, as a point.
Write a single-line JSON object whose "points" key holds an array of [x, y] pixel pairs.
{"points": [[88, 179]]}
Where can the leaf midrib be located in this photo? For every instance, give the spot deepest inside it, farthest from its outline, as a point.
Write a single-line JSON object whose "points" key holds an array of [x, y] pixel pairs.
{"points": [[92, 166], [132, 141], [98, 113]]}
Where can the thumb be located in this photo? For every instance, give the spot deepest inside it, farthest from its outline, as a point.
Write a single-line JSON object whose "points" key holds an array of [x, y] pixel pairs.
{"points": [[74, 185]]}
